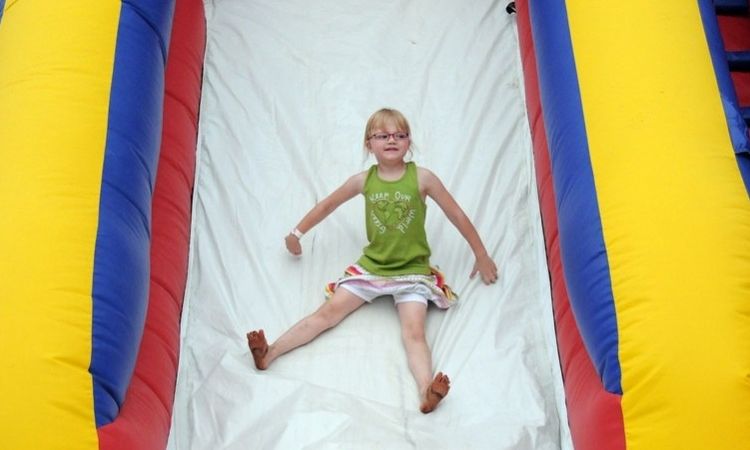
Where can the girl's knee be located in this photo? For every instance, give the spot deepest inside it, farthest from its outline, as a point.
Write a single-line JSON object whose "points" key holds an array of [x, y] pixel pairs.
{"points": [[328, 315], [413, 333]]}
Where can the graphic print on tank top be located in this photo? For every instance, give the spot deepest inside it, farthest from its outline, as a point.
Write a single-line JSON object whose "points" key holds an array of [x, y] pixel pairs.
{"points": [[391, 212]]}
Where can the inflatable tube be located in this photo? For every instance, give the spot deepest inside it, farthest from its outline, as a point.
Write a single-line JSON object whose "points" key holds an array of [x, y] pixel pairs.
{"points": [[81, 97], [595, 415], [148, 403], [653, 217]]}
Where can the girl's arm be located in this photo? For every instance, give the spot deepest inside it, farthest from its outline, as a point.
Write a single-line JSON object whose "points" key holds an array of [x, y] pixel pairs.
{"points": [[320, 211], [434, 188]]}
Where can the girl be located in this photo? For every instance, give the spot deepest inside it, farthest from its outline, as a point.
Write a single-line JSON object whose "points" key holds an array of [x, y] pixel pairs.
{"points": [[396, 260]]}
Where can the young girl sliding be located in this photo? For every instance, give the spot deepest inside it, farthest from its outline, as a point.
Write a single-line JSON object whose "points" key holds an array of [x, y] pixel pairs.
{"points": [[396, 260]]}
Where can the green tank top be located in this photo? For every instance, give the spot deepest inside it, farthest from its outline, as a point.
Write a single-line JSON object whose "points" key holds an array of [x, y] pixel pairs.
{"points": [[394, 214]]}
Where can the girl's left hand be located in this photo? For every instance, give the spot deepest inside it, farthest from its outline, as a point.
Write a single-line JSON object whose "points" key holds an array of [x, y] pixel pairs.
{"points": [[486, 268]]}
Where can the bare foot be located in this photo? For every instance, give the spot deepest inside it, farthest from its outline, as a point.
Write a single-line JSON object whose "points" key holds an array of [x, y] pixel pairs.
{"points": [[256, 340], [435, 392]]}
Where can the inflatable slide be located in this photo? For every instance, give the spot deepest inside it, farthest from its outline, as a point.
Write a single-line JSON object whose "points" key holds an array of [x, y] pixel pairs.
{"points": [[155, 153]]}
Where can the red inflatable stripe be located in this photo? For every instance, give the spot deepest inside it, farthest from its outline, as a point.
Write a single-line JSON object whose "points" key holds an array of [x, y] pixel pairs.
{"points": [[735, 31]]}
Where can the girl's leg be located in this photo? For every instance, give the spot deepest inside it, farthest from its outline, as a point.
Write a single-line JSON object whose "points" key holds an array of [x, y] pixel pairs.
{"points": [[431, 390], [330, 313]]}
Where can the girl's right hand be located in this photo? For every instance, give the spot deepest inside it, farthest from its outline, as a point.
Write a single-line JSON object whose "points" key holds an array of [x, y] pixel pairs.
{"points": [[293, 244]]}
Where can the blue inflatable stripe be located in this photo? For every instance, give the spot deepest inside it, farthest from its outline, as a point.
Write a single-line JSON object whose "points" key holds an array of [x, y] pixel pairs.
{"points": [[735, 122], [121, 264], [582, 246], [2, 10]]}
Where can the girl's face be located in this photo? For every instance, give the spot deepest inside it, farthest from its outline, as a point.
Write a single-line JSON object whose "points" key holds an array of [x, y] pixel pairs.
{"points": [[388, 143]]}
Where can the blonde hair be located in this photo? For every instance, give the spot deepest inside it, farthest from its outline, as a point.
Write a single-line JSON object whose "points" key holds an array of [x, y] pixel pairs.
{"points": [[383, 116]]}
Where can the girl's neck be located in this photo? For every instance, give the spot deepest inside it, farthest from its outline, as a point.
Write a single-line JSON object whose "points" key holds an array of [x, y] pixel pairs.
{"points": [[391, 170]]}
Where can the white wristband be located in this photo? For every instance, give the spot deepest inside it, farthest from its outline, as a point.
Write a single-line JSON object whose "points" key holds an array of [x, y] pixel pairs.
{"points": [[297, 233]]}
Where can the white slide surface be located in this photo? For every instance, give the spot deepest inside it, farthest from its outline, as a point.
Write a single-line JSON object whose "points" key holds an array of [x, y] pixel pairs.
{"points": [[288, 86]]}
